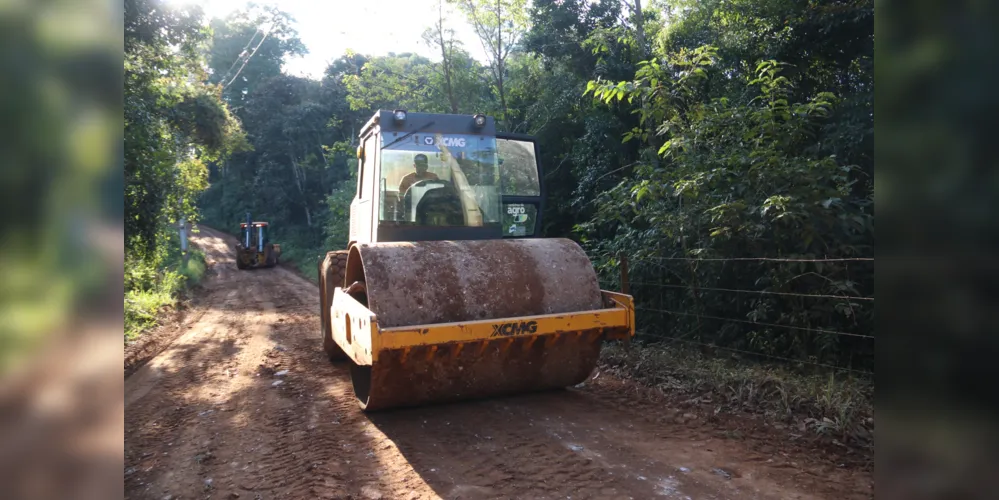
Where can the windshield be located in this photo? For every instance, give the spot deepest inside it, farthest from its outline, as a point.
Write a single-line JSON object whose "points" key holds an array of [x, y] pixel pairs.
{"points": [[519, 167], [439, 180]]}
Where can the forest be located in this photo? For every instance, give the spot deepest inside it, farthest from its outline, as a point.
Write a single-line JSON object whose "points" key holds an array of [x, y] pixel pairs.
{"points": [[725, 148]]}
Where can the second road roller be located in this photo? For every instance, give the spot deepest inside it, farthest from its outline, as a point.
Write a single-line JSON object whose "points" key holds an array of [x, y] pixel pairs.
{"points": [[445, 292]]}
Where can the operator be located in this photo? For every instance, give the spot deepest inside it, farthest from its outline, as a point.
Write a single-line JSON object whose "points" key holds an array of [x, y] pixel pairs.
{"points": [[421, 165]]}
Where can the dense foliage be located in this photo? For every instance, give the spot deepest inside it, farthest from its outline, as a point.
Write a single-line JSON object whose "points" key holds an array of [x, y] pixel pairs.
{"points": [[174, 122], [301, 132], [756, 131], [61, 103], [668, 130]]}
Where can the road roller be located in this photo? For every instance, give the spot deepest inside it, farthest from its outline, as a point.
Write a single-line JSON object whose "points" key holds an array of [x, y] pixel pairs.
{"points": [[445, 291]]}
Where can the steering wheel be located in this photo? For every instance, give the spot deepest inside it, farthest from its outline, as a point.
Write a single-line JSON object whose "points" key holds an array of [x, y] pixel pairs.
{"points": [[407, 197], [424, 182]]}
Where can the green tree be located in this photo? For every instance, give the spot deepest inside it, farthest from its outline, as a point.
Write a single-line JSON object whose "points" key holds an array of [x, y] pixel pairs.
{"points": [[441, 38], [581, 155], [826, 46], [172, 122], [249, 46], [396, 81], [301, 131], [741, 178], [499, 24]]}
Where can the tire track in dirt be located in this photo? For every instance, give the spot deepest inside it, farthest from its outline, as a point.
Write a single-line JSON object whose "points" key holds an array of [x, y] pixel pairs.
{"points": [[212, 391], [246, 405], [307, 439]]}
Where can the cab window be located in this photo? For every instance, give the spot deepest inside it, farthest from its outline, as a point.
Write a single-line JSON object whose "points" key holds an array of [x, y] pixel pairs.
{"points": [[519, 167], [439, 180]]}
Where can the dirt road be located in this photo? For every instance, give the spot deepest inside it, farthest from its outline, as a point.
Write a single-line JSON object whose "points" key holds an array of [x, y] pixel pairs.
{"points": [[244, 404]]}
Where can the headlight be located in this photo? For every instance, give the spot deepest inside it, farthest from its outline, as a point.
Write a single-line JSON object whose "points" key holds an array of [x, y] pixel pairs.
{"points": [[480, 120], [399, 115]]}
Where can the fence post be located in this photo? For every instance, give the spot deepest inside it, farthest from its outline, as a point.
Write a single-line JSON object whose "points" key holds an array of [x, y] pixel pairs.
{"points": [[624, 272], [625, 289], [183, 240]]}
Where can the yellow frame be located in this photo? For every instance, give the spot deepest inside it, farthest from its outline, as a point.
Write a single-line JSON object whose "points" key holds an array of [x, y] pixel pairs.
{"points": [[362, 339]]}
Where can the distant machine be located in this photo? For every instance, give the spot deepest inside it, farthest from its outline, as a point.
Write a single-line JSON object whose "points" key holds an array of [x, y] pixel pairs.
{"points": [[444, 293], [254, 250]]}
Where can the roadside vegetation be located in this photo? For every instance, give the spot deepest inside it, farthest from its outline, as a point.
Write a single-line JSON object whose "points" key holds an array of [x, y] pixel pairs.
{"points": [[836, 408], [152, 289], [175, 123]]}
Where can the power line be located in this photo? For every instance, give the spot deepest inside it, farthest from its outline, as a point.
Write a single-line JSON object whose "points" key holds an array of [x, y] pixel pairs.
{"points": [[250, 55], [242, 54], [246, 60]]}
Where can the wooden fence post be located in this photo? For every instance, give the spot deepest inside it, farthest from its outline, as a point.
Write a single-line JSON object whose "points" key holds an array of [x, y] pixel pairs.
{"points": [[624, 273], [625, 289]]}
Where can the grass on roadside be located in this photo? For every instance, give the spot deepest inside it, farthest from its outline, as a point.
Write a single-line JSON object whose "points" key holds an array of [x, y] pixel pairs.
{"points": [[143, 305], [838, 406], [303, 259]]}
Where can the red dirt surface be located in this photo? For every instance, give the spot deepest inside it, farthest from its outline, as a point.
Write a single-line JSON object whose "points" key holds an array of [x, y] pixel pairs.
{"points": [[213, 415]]}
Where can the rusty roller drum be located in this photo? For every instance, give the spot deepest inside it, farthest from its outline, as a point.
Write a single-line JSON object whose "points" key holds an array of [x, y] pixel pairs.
{"points": [[445, 282]]}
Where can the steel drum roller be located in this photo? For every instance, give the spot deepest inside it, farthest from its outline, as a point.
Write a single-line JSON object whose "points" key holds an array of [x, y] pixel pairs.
{"points": [[446, 282]]}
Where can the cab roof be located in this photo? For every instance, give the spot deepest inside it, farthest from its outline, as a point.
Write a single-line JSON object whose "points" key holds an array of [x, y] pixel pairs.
{"points": [[243, 224], [428, 123]]}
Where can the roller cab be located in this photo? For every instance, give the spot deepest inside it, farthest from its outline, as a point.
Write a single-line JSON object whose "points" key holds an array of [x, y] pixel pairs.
{"points": [[445, 292]]}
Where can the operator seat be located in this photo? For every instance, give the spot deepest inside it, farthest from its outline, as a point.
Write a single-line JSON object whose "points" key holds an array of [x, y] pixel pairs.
{"points": [[440, 202]]}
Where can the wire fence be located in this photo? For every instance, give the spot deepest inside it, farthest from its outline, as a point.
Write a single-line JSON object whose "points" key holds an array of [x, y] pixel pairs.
{"points": [[765, 259], [821, 318], [792, 327], [752, 353], [762, 292]]}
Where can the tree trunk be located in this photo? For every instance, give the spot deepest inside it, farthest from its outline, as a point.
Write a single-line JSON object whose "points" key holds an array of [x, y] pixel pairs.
{"points": [[226, 215], [305, 154], [639, 27], [322, 153], [294, 170], [446, 58], [499, 58], [301, 191]]}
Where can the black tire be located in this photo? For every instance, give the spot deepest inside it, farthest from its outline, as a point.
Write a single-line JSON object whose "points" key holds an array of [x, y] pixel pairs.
{"points": [[271, 256], [239, 256], [332, 269]]}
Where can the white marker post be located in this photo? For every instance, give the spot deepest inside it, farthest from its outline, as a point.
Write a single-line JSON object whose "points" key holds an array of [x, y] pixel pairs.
{"points": [[183, 240]]}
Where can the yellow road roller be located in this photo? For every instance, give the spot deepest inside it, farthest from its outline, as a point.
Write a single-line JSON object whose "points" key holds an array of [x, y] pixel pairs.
{"points": [[444, 292]]}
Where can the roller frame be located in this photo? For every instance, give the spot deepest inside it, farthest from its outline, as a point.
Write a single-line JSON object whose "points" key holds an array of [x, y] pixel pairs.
{"points": [[367, 340]]}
